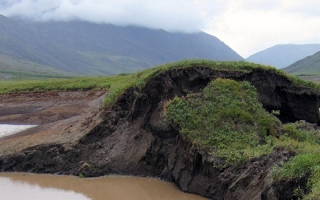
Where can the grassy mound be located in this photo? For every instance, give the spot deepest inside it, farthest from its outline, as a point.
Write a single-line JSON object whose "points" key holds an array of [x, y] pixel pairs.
{"points": [[228, 121], [225, 118]]}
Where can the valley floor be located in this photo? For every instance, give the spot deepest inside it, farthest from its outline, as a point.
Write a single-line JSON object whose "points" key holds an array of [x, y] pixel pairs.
{"points": [[313, 78]]}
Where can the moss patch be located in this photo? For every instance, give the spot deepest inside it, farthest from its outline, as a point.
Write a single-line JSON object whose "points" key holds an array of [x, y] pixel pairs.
{"points": [[225, 118], [305, 142], [228, 121]]}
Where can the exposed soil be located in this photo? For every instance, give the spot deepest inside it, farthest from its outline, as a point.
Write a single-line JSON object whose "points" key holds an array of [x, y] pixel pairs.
{"points": [[132, 138], [62, 117]]}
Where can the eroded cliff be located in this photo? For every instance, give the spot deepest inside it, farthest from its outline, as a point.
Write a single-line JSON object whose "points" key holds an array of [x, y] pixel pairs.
{"points": [[134, 139]]}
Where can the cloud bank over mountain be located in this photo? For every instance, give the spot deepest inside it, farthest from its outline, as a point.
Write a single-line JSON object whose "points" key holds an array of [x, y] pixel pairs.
{"points": [[179, 15], [247, 26]]}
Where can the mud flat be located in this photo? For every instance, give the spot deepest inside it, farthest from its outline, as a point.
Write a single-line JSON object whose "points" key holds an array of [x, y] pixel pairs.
{"points": [[60, 117]]}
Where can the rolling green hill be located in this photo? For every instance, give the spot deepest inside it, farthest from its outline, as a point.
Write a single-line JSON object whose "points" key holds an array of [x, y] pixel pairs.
{"points": [[283, 55], [307, 66], [21, 43], [11, 69]]}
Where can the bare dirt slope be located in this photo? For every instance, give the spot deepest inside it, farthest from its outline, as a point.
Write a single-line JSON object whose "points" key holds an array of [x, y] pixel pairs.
{"points": [[62, 117]]}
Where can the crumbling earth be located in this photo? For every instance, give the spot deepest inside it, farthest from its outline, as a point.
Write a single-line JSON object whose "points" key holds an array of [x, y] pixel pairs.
{"points": [[132, 137]]}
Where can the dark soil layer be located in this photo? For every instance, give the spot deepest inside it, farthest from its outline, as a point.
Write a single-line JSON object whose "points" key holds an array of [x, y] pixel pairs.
{"points": [[134, 139]]}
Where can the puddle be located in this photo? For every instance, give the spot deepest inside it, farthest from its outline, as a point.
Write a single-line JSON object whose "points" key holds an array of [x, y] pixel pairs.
{"points": [[10, 129], [46, 187]]}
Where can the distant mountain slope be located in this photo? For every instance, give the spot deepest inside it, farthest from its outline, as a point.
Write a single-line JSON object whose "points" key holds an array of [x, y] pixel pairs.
{"points": [[309, 65], [98, 49], [283, 55], [15, 68], [22, 43], [115, 48]]}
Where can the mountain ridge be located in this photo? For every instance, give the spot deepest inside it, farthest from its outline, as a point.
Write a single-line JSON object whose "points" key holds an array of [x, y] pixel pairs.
{"points": [[306, 66], [86, 48], [282, 55]]}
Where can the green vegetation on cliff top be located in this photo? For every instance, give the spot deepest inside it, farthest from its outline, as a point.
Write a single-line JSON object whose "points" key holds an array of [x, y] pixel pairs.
{"points": [[117, 84], [243, 130], [239, 131]]}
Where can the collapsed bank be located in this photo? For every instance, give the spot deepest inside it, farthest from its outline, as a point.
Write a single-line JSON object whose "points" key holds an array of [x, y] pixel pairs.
{"points": [[134, 137]]}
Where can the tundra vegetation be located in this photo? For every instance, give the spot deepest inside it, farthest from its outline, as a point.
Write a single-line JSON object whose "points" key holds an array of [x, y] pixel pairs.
{"points": [[243, 130], [240, 131]]}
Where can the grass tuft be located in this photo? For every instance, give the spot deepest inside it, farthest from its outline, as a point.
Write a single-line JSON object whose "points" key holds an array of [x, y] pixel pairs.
{"points": [[235, 133], [304, 141]]}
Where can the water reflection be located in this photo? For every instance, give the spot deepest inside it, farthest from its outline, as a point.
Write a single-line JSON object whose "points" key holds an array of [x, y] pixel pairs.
{"points": [[109, 187], [10, 129]]}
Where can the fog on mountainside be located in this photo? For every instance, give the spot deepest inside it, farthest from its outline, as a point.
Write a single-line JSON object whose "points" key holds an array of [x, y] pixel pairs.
{"points": [[85, 48]]}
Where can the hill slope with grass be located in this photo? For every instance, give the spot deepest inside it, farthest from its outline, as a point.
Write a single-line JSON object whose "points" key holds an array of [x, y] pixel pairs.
{"points": [[84, 48], [224, 130], [307, 66], [283, 55], [21, 46]]}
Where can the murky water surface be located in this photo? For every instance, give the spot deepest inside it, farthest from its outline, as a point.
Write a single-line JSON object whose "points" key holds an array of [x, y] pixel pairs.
{"points": [[15, 186], [10, 129]]}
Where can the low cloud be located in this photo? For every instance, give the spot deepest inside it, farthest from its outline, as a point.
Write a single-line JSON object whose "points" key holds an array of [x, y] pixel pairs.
{"points": [[179, 15], [247, 26]]}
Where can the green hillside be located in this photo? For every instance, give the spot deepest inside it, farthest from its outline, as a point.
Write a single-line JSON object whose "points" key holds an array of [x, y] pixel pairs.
{"points": [[84, 48], [283, 55], [307, 66], [11, 69]]}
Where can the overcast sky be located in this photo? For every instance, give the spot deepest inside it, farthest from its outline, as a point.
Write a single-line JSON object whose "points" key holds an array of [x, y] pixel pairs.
{"points": [[247, 26]]}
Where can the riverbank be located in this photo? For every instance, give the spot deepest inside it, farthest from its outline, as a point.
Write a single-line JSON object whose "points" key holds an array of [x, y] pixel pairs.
{"points": [[133, 136], [61, 117]]}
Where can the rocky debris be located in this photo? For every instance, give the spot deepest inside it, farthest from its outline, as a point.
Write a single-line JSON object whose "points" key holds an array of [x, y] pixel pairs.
{"points": [[134, 139]]}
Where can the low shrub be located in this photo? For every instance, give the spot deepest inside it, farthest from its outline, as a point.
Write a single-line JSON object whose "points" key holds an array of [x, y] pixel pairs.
{"points": [[225, 118]]}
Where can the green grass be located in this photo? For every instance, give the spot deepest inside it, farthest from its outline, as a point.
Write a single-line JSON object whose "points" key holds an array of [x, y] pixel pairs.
{"points": [[243, 130], [307, 66], [117, 84], [235, 133], [306, 145], [16, 69], [72, 84], [139, 79]]}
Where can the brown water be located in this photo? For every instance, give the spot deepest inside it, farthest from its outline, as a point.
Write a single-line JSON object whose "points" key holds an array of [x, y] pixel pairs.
{"points": [[14, 186]]}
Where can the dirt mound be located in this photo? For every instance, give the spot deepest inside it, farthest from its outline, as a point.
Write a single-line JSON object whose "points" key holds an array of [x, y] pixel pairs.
{"points": [[133, 138]]}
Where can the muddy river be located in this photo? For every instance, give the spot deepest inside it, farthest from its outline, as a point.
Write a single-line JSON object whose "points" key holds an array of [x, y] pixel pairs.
{"points": [[49, 187]]}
